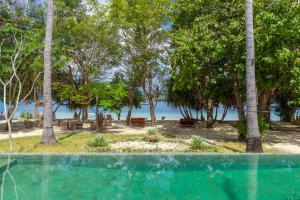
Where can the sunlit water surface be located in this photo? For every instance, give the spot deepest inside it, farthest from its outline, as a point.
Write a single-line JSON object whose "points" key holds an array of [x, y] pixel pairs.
{"points": [[133, 176]]}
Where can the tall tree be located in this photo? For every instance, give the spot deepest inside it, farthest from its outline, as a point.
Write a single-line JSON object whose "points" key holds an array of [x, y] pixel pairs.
{"points": [[89, 45], [48, 136], [254, 143], [143, 33]]}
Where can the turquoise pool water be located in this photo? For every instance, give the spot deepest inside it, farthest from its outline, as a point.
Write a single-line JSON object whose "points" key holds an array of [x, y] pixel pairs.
{"points": [[119, 176]]}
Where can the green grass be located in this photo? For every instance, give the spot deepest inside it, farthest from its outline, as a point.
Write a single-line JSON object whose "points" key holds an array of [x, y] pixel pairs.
{"points": [[78, 142], [68, 143]]}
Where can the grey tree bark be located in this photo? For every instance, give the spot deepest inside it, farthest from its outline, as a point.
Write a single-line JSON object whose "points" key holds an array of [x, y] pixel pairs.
{"points": [[240, 106], [48, 136], [254, 143], [210, 115]]}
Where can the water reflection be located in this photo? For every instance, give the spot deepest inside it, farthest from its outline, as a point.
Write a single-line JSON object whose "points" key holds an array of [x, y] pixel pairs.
{"points": [[151, 176], [7, 176]]}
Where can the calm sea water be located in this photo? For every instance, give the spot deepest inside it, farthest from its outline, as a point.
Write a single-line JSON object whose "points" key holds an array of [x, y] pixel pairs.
{"points": [[162, 110], [224, 177]]}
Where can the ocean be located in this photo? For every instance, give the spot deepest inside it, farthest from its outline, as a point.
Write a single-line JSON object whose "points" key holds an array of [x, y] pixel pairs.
{"points": [[162, 110]]}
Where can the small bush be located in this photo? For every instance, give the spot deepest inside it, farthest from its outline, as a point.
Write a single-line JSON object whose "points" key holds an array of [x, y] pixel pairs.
{"points": [[197, 143], [262, 124], [151, 131], [26, 115], [98, 141], [151, 138]]}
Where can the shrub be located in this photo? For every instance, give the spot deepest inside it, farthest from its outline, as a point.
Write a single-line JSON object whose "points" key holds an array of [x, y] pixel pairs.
{"points": [[151, 131], [26, 115], [98, 141], [197, 143], [151, 138], [262, 124]]}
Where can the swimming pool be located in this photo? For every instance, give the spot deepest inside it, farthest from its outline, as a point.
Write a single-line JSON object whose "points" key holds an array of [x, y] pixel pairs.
{"points": [[152, 176]]}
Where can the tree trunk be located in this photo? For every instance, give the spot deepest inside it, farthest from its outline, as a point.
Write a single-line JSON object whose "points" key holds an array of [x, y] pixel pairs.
{"points": [[119, 115], [151, 101], [98, 125], [254, 143], [216, 113], [129, 115], [210, 114], [224, 113], [152, 113], [239, 106], [36, 110], [9, 113], [130, 107], [183, 115], [48, 136], [264, 101], [201, 115], [85, 115]]}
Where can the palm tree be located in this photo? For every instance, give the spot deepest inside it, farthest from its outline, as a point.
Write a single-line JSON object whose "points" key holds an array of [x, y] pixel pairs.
{"points": [[48, 136], [254, 143]]}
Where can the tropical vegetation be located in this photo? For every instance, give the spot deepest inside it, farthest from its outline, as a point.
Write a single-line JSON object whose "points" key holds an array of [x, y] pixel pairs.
{"points": [[197, 55]]}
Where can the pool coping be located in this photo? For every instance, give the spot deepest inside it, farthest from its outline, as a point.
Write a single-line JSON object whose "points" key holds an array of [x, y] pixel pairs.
{"points": [[148, 153]]}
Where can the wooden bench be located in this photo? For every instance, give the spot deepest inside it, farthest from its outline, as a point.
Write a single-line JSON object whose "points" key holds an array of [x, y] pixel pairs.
{"points": [[70, 124], [186, 122], [106, 123], [75, 125], [140, 122]]}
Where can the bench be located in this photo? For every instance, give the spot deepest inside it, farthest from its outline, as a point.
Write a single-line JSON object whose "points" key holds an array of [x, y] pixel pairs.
{"points": [[186, 122], [70, 124], [106, 123], [140, 122], [75, 125]]}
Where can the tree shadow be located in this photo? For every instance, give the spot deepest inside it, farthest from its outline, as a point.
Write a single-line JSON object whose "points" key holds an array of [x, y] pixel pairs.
{"points": [[68, 135]]}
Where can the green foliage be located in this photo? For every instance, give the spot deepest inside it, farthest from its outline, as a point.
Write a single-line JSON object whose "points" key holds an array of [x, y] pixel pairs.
{"points": [[286, 105], [26, 115], [115, 97], [141, 26], [21, 27], [262, 124], [197, 143], [209, 52], [98, 141], [295, 81], [151, 131]]}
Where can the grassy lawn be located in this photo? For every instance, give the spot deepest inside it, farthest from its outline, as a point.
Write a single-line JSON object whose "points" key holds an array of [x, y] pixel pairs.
{"points": [[77, 142]]}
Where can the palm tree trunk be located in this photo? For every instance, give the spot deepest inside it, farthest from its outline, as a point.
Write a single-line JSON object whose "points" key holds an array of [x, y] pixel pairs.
{"points": [[254, 143], [48, 136]]}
